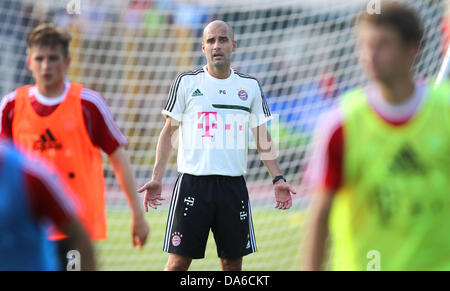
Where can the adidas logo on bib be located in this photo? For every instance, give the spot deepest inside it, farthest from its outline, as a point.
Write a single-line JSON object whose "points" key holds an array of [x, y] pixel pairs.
{"points": [[47, 141]]}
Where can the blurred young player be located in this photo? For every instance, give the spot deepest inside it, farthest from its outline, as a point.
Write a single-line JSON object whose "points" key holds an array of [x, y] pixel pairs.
{"points": [[214, 106], [29, 200], [382, 168], [67, 125]]}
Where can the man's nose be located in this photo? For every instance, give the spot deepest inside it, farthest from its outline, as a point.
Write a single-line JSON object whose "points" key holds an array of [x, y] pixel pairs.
{"points": [[45, 63]]}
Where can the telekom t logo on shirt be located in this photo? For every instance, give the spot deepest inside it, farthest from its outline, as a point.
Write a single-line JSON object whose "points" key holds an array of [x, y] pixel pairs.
{"points": [[207, 122], [211, 122]]}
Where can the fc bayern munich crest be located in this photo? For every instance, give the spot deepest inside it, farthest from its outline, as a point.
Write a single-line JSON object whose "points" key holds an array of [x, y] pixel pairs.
{"points": [[176, 240], [243, 95]]}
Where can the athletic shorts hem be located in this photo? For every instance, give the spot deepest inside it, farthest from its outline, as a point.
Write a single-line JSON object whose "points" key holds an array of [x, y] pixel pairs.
{"points": [[233, 256], [182, 253]]}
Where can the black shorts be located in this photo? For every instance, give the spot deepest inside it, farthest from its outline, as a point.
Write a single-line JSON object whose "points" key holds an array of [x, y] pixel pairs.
{"points": [[201, 203]]}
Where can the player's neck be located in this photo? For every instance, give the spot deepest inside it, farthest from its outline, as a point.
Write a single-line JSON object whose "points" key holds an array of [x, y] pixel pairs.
{"points": [[397, 92], [219, 73], [51, 91]]}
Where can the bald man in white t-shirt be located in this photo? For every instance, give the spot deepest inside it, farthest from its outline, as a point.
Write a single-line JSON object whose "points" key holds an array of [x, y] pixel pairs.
{"points": [[213, 107]]}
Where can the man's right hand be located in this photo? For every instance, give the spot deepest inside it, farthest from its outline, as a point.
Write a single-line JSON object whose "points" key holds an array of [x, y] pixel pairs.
{"points": [[152, 196]]}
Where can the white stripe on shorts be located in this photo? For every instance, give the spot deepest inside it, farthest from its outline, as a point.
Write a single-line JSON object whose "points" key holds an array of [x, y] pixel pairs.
{"points": [[250, 227], [173, 205]]}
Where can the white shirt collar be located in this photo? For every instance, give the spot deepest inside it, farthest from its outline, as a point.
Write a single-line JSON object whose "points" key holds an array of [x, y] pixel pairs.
{"points": [[398, 112], [221, 81], [49, 101]]}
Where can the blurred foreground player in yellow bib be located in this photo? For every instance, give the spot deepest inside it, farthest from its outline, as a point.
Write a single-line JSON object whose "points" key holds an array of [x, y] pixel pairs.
{"points": [[383, 184]]}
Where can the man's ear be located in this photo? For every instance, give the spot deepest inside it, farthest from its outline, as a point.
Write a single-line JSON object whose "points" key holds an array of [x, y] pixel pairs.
{"points": [[413, 52], [234, 45], [67, 62], [28, 60], [203, 47]]}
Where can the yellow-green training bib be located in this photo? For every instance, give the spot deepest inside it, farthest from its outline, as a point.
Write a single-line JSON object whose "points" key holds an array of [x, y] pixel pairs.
{"points": [[393, 211]]}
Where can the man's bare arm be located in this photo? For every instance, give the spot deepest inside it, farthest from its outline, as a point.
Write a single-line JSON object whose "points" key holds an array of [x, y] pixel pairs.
{"points": [[164, 148], [79, 239], [268, 153], [317, 231], [125, 175]]}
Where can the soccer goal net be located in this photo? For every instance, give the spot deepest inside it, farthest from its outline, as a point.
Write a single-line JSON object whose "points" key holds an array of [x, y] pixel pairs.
{"points": [[301, 51]]}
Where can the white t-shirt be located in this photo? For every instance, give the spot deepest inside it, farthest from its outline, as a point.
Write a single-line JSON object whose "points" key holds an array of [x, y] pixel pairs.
{"points": [[215, 116]]}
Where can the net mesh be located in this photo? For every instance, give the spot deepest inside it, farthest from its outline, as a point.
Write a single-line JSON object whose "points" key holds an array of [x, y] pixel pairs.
{"points": [[130, 52]]}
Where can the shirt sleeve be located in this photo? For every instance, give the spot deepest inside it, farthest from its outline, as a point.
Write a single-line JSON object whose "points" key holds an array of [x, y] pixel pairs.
{"points": [[7, 114], [334, 170], [176, 102], [324, 168], [99, 121], [259, 111]]}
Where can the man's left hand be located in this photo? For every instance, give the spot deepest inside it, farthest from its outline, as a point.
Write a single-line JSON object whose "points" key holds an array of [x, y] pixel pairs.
{"points": [[283, 195]]}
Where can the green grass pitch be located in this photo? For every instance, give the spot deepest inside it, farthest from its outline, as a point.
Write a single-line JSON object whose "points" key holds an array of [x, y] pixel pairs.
{"points": [[278, 237]]}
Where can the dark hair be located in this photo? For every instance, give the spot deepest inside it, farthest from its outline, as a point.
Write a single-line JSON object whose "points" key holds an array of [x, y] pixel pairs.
{"points": [[47, 34], [400, 17]]}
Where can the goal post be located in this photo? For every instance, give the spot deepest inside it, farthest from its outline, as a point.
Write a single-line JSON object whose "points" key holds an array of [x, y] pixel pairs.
{"points": [[130, 51]]}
